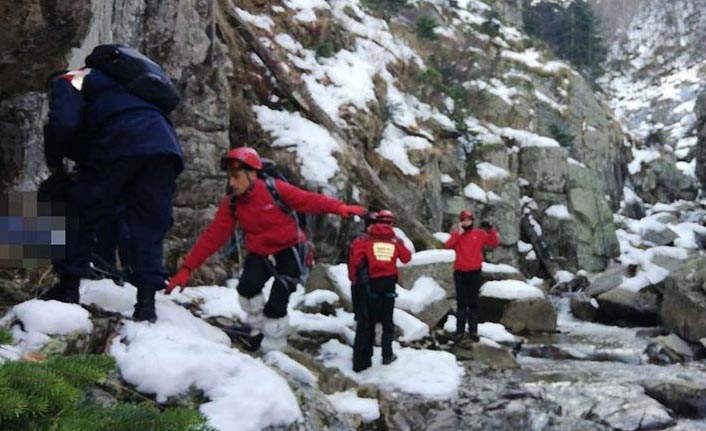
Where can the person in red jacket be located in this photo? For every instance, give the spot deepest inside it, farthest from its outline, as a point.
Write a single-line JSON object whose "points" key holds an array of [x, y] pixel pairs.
{"points": [[268, 231], [468, 244], [379, 250]]}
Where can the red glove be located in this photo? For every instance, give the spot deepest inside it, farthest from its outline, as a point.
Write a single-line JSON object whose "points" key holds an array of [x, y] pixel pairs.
{"points": [[347, 210], [179, 280]]}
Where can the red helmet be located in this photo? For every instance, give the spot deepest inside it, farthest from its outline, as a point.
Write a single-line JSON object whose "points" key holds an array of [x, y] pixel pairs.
{"points": [[465, 214], [385, 217], [241, 157]]}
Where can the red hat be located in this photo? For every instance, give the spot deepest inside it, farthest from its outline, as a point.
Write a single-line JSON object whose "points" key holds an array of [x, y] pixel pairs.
{"points": [[241, 157], [465, 214], [385, 217]]}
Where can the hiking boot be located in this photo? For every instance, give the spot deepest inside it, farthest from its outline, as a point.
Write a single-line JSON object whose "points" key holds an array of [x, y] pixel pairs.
{"points": [[390, 359], [275, 334], [457, 337], [251, 343], [144, 307], [144, 314], [474, 337], [66, 290], [361, 367]]}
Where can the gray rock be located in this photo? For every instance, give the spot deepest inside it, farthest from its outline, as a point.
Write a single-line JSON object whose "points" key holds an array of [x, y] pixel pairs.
{"points": [[661, 181], [495, 358], [683, 397], [544, 167], [684, 301], [669, 349], [624, 306], [518, 316], [441, 272], [433, 313], [627, 409], [582, 307], [11, 293], [605, 281], [662, 235]]}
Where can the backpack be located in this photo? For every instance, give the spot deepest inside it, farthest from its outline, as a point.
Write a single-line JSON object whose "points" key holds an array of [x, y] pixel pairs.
{"points": [[269, 173], [136, 73]]}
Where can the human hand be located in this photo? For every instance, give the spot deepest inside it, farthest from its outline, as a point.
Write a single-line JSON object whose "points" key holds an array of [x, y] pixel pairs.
{"points": [[347, 210], [179, 280]]}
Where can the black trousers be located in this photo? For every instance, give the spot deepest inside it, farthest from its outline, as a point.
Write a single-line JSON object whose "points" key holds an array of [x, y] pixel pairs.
{"points": [[379, 307], [143, 186], [467, 288], [258, 269]]}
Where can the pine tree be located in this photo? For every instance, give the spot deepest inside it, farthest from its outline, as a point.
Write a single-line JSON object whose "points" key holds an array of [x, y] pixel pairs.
{"points": [[573, 32], [49, 396]]}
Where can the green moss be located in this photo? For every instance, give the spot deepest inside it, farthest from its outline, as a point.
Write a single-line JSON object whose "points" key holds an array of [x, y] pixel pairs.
{"points": [[5, 336]]}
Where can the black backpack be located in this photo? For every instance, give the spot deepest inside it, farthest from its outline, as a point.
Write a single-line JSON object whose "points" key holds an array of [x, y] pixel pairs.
{"points": [[136, 73]]}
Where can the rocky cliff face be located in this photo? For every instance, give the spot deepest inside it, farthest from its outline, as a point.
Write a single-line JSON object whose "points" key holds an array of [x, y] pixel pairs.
{"points": [[654, 71]]}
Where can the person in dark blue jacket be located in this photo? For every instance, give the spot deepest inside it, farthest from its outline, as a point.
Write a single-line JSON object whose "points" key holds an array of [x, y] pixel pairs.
{"points": [[129, 158]]}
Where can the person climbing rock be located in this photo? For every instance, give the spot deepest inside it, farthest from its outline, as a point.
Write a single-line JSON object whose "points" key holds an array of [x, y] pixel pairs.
{"points": [[269, 231]]}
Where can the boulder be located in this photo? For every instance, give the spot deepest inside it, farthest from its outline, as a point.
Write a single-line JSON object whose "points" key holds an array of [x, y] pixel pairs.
{"points": [[320, 278], [519, 315], [583, 306], [441, 272], [684, 301], [684, 398], [625, 307], [434, 313], [629, 409], [605, 281], [669, 349], [493, 356], [659, 234]]}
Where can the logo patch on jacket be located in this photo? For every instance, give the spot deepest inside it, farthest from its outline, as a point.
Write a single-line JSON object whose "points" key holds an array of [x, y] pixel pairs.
{"points": [[383, 251]]}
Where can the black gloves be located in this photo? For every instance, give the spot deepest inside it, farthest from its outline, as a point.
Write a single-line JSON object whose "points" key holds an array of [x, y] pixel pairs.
{"points": [[485, 225]]}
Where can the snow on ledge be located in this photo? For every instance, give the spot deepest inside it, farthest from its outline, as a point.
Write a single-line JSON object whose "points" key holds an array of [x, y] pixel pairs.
{"points": [[52, 317], [511, 289], [429, 373]]}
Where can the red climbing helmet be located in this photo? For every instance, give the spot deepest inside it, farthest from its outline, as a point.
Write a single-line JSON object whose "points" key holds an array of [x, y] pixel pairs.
{"points": [[465, 215], [385, 217], [241, 157]]}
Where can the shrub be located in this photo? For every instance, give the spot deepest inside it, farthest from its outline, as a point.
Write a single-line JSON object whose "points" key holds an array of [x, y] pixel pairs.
{"points": [[560, 132], [425, 27]]}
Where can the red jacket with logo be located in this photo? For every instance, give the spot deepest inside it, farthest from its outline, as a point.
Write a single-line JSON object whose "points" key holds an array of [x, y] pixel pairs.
{"points": [[469, 247], [267, 229], [381, 249]]}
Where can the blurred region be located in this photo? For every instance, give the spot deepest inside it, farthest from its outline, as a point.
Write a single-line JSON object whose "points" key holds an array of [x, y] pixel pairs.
{"points": [[32, 230]]}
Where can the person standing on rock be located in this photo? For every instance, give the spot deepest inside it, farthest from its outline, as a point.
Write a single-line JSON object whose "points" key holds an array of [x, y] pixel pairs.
{"points": [[270, 233], [378, 251], [110, 120], [468, 243]]}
